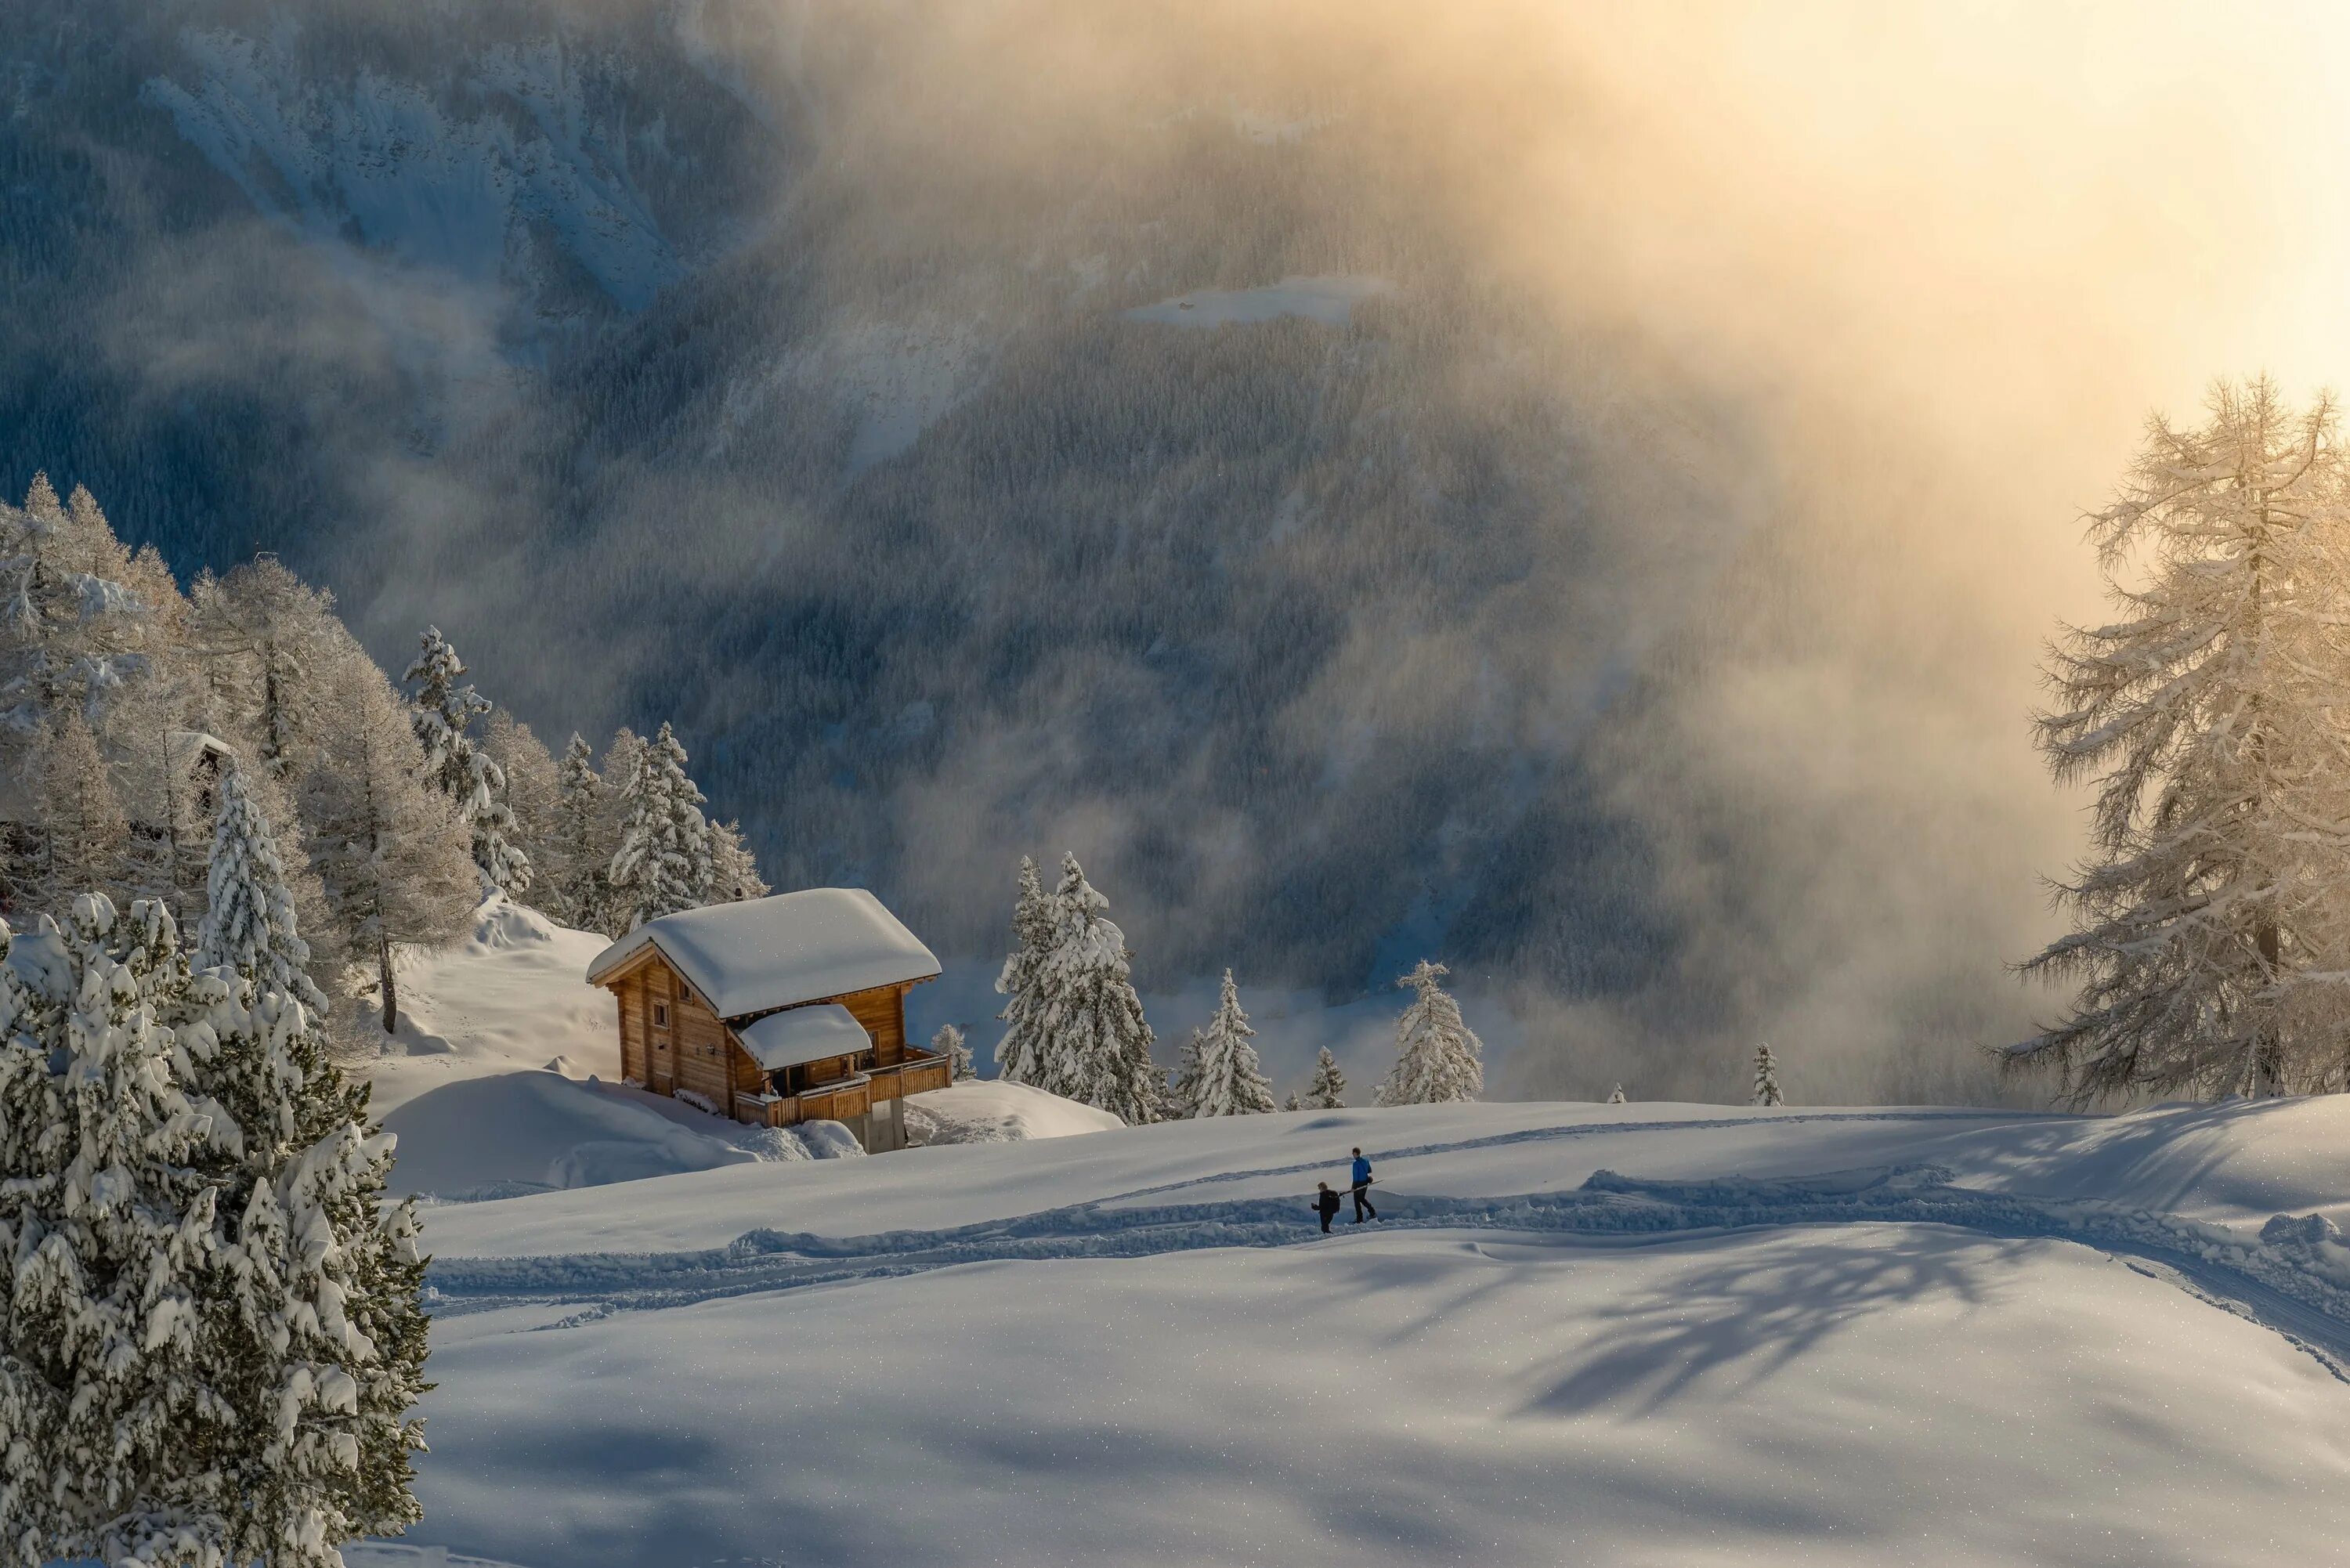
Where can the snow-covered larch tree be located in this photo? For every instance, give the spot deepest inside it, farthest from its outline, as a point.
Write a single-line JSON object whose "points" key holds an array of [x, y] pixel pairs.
{"points": [[1328, 1092], [1616, 1096], [1086, 1039], [948, 1042], [1766, 1077], [2208, 921], [268, 641], [532, 785], [1228, 1081], [443, 712], [84, 827], [389, 850], [1439, 1058], [662, 863], [249, 922]]}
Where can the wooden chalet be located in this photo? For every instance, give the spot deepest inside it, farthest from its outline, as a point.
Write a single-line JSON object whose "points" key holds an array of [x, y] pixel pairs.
{"points": [[775, 1011]]}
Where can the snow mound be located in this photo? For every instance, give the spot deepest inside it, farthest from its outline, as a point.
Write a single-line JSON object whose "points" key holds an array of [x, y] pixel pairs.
{"points": [[503, 1133], [993, 1111], [1329, 300]]}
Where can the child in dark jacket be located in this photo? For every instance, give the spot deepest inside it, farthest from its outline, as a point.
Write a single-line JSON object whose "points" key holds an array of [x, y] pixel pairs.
{"points": [[1326, 1203]]}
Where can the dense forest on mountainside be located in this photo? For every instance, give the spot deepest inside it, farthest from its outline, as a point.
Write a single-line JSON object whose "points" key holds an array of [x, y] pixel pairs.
{"points": [[772, 368]]}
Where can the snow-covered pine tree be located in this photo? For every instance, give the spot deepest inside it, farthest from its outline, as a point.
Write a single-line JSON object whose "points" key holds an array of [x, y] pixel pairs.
{"points": [[443, 711], [1091, 1042], [662, 863], [1328, 1090], [320, 1332], [104, 1353], [1766, 1077], [733, 870], [390, 849], [1183, 1083], [82, 824], [1017, 1055], [2208, 921], [249, 923], [1616, 1096], [948, 1042], [572, 885], [1437, 1057], [1291, 1104], [1230, 1082]]}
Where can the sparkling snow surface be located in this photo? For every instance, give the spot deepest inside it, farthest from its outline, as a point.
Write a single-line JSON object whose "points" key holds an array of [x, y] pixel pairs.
{"points": [[1136, 1352], [2011, 1339]]}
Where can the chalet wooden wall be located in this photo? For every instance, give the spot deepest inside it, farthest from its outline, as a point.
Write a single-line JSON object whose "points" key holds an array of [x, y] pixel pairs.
{"points": [[694, 1051]]}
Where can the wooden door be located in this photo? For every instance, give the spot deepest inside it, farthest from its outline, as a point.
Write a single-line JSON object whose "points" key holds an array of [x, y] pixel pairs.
{"points": [[661, 1032]]}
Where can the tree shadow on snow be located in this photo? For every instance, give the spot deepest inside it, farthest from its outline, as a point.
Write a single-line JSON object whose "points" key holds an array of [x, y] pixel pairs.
{"points": [[1749, 1314]]}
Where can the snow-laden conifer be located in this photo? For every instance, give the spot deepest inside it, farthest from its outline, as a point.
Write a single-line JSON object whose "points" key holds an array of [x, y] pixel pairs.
{"points": [[1086, 1038], [573, 887], [443, 711], [249, 923], [733, 870], [1616, 1096], [269, 643], [1291, 1104], [1182, 1101], [662, 863], [1766, 1077], [1016, 1058], [2208, 920], [319, 1331], [1328, 1092], [1229, 1081], [948, 1042], [1437, 1057], [106, 1352]]}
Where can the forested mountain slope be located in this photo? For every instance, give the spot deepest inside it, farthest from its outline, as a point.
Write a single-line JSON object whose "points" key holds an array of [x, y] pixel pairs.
{"points": [[989, 430]]}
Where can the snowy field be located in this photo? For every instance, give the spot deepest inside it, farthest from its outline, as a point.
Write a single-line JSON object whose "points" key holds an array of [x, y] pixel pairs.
{"points": [[1806, 1336]]}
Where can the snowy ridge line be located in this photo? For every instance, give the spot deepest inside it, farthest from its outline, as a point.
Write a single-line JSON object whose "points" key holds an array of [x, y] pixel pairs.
{"points": [[2293, 1279], [1588, 1130]]}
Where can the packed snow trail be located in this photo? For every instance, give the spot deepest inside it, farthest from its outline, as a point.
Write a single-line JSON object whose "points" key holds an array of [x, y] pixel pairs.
{"points": [[2295, 1281]]}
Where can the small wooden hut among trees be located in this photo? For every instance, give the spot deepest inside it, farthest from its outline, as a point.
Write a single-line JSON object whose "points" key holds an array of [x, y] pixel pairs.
{"points": [[776, 1010]]}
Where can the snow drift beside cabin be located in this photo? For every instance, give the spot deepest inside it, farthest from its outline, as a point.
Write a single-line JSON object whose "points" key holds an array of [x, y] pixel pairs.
{"points": [[504, 1077], [781, 949]]}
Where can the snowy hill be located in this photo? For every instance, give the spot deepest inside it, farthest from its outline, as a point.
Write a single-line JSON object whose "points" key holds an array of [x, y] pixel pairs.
{"points": [[1818, 1337], [504, 1079]]}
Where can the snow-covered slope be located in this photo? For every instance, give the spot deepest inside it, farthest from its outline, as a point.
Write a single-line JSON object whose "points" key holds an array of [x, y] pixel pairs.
{"points": [[1984, 1338], [504, 1079]]}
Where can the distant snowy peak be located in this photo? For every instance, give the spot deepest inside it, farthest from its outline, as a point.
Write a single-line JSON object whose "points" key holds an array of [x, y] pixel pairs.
{"points": [[505, 176]]}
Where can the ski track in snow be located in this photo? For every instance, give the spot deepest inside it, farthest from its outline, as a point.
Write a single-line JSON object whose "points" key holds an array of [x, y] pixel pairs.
{"points": [[2294, 1288]]}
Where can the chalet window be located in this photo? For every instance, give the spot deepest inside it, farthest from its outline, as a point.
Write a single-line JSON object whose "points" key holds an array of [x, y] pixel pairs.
{"points": [[661, 1014]]}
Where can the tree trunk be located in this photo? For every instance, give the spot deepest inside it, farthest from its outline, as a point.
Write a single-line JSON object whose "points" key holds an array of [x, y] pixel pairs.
{"points": [[383, 970]]}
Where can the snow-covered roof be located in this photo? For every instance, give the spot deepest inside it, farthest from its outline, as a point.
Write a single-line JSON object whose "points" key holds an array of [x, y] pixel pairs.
{"points": [[800, 1034], [776, 951]]}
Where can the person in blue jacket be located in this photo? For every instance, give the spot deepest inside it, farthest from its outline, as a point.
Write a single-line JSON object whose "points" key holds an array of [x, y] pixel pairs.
{"points": [[1362, 1180]]}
